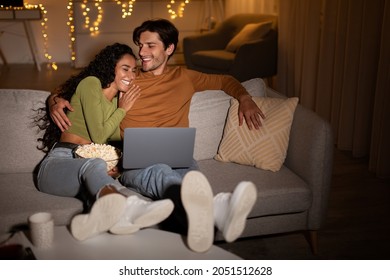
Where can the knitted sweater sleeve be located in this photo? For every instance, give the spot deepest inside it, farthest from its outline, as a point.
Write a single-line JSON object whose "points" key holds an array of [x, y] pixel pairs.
{"points": [[102, 119], [227, 83]]}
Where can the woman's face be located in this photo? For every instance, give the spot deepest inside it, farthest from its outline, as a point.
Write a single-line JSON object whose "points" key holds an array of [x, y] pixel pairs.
{"points": [[125, 70]]}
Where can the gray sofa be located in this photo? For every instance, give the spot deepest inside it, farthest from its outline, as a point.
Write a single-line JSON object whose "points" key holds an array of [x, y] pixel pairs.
{"points": [[294, 198]]}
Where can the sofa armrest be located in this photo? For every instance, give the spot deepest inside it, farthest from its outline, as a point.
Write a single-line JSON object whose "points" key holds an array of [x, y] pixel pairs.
{"points": [[310, 156]]}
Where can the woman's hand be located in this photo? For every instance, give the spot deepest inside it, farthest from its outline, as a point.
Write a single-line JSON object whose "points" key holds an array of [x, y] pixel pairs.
{"points": [[128, 98]]}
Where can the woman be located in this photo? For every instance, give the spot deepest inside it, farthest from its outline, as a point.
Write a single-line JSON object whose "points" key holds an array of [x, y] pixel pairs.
{"points": [[100, 95]]}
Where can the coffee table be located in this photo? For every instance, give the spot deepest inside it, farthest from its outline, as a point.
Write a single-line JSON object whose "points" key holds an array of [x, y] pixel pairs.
{"points": [[145, 244]]}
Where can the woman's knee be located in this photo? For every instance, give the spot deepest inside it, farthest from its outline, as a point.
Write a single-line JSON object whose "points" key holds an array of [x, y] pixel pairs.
{"points": [[95, 165]]}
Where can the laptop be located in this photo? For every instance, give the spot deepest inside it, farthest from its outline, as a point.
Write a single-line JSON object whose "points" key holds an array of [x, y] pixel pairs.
{"points": [[145, 146]]}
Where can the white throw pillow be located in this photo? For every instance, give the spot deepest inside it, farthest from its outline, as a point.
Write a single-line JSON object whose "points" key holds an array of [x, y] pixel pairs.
{"points": [[208, 113]]}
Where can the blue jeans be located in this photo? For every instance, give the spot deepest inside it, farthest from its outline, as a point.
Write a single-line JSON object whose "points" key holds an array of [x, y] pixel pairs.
{"points": [[63, 175], [155, 180]]}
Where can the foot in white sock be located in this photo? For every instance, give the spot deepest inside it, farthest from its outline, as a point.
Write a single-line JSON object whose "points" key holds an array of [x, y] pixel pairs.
{"points": [[197, 198], [141, 213], [232, 209], [105, 212]]}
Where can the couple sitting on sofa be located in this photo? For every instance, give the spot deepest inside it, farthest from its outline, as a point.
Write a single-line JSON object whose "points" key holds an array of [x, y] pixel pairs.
{"points": [[96, 112]]}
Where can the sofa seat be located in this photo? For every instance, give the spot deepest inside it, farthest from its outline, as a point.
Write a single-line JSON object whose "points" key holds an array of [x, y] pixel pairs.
{"points": [[214, 59], [279, 192], [20, 199]]}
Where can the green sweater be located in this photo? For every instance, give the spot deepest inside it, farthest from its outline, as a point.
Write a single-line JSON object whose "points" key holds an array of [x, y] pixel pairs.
{"points": [[94, 118]]}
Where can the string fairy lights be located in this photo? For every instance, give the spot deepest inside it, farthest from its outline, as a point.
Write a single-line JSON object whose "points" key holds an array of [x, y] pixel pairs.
{"points": [[44, 20], [71, 26], [127, 8], [89, 8], [86, 9], [180, 8], [45, 38]]}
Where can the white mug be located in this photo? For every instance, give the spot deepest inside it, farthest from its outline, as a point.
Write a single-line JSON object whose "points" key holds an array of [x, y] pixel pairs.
{"points": [[41, 229]]}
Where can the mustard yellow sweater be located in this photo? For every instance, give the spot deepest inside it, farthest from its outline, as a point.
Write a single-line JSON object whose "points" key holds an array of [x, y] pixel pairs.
{"points": [[165, 99]]}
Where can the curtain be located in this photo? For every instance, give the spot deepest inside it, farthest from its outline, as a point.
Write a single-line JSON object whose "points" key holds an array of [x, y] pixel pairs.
{"points": [[380, 138], [334, 56]]}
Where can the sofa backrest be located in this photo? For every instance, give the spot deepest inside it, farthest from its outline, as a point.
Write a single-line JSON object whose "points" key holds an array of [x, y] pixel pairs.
{"points": [[208, 114], [18, 135]]}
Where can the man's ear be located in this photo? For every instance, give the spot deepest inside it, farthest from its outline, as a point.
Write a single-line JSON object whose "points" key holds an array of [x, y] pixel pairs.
{"points": [[170, 49]]}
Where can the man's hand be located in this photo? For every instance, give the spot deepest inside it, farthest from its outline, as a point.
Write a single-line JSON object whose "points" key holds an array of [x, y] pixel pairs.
{"points": [[57, 114], [250, 111]]}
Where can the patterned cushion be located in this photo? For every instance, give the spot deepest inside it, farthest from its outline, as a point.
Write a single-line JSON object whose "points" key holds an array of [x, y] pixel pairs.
{"points": [[265, 148]]}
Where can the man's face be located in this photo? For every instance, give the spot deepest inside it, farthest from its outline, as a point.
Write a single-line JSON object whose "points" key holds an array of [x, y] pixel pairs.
{"points": [[152, 53]]}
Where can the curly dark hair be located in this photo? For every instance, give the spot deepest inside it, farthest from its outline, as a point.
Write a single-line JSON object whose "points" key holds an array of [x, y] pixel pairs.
{"points": [[166, 30], [102, 67]]}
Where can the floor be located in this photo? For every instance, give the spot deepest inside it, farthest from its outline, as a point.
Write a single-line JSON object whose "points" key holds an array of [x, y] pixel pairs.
{"points": [[357, 225], [358, 221]]}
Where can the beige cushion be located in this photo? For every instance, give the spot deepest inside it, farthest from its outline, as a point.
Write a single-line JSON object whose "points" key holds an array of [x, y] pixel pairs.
{"points": [[208, 113], [251, 32], [265, 148]]}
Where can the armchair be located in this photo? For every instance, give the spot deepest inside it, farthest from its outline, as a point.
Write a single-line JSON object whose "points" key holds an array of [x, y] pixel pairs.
{"points": [[257, 58]]}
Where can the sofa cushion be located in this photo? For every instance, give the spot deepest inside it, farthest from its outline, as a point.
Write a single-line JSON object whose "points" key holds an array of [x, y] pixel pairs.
{"points": [[18, 137], [249, 33], [19, 199], [277, 192], [266, 147], [208, 113]]}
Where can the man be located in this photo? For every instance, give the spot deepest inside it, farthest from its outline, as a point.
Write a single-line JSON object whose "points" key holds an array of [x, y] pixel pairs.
{"points": [[165, 99]]}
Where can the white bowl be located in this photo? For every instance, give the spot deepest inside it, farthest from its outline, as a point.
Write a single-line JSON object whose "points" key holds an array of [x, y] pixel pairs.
{"points": [[108, 153]]}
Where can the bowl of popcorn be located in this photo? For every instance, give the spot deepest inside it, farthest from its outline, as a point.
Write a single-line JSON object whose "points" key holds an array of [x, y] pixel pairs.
{"points": [[108, 153]]}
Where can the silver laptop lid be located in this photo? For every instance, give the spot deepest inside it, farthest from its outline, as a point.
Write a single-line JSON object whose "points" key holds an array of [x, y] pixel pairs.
{"points": [[145, 146]]}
